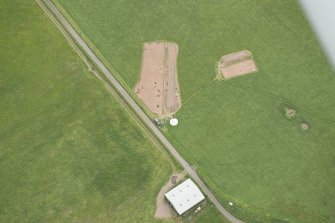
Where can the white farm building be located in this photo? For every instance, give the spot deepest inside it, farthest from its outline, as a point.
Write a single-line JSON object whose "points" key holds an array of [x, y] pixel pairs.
{"points": [[184, 196]]}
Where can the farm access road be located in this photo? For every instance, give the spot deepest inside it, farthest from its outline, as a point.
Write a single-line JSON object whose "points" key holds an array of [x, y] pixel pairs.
{"points": [[135, 107]]}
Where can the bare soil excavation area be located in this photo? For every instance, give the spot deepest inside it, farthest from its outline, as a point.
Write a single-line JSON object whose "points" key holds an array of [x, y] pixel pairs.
{"points": [[158, 87], [237, 64]]}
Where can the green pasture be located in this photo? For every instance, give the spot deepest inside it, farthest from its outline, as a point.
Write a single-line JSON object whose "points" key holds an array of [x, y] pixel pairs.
{"points": [[69, 151], [235, 132]]}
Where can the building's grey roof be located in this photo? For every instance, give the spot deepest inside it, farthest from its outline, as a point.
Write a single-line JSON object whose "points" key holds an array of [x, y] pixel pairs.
{"points": [[184, 196]]}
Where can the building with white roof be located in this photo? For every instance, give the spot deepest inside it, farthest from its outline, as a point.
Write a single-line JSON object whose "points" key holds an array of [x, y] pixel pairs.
{"points": [[184, 196]]}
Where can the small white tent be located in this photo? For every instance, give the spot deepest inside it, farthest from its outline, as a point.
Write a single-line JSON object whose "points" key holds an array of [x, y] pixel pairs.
{"points": [[173, 121]]}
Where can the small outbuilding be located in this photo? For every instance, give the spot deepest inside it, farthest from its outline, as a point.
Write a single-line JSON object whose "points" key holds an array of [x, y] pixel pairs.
{"points": [[184, 196]]}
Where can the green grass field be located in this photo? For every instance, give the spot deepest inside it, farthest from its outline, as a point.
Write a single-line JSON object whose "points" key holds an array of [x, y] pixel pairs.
{"points": [[69, 150], [235, 132]]}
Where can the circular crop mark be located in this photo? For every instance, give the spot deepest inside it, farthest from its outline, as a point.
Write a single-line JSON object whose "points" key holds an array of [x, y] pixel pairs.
{"points": [[304, 126], [290, 113]]}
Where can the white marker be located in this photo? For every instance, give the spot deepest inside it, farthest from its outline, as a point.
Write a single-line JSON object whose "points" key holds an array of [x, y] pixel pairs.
{"points": [[173, 121]]}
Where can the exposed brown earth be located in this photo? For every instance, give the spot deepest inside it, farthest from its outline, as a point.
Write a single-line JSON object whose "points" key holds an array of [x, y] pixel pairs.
{"points": [[237, 64], [163, 209], [172, 99], [158, 87]]}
